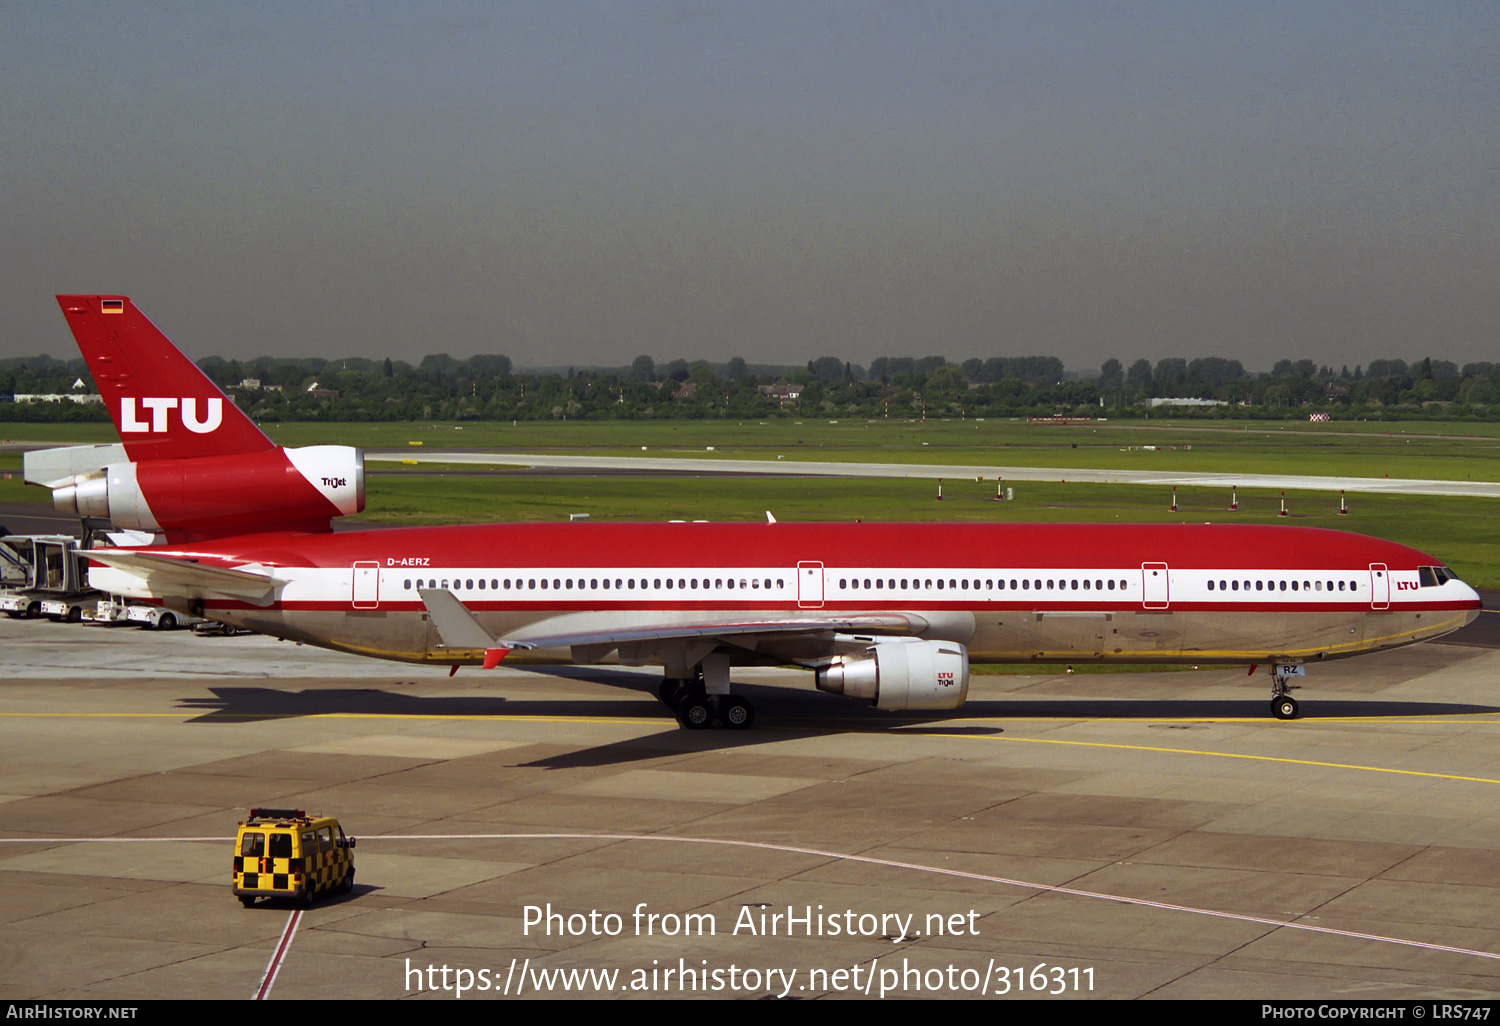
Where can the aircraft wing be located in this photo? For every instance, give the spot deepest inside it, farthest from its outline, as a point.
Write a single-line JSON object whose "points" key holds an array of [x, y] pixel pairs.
{"points": [[183, 576], [458, 628]]}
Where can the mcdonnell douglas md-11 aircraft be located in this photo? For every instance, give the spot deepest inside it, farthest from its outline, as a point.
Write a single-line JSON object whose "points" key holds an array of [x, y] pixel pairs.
{"points": [[891, 614]]}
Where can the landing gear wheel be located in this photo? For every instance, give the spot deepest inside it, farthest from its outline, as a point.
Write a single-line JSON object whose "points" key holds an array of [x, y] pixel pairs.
{"points": [[695, 712], [1284, 707], [246, 900], [736, 713]]}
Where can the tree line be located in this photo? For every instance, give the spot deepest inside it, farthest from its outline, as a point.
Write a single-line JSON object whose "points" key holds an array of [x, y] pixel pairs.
{"points": [[488, 387]]}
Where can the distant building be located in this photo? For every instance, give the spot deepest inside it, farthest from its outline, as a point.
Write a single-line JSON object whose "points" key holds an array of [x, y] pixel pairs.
{"points": [[1187, 402], [84, 399], [783, 392]]}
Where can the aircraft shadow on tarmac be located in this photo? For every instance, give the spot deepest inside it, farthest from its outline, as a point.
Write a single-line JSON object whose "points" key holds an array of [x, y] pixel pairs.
{"points": [[782, 711]]}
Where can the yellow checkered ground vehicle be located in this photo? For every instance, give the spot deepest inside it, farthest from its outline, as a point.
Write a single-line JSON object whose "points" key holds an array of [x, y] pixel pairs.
{"points": [[285, 853]]}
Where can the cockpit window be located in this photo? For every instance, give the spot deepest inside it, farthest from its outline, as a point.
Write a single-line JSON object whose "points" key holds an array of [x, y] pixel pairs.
{"points": [[1434, 576]]}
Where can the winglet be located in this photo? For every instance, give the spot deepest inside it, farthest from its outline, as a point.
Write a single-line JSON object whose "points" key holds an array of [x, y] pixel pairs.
{"points": [[770, 519]]}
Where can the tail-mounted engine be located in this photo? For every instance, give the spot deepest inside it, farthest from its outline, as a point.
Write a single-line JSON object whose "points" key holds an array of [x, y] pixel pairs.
{"points": [[248, 492], [896, 675]]}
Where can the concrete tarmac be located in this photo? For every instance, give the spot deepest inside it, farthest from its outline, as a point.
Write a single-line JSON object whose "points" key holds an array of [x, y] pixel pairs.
{"points": [[1122, 835]]}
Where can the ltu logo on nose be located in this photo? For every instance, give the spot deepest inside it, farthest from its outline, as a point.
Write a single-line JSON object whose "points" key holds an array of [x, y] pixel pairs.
{"points": [[159, 406]]}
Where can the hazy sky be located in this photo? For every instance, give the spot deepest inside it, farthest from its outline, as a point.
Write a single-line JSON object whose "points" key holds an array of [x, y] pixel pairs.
{"points": [[577, 182]]}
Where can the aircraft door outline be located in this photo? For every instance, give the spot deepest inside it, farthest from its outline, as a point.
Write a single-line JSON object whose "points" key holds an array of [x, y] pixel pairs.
{"points": [[809, 585], [1156, 590], [365, 586], [1380, 586]]}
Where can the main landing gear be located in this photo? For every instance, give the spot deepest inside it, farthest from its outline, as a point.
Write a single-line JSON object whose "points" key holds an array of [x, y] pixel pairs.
{"points": [[697, 710], [1283, 705]]}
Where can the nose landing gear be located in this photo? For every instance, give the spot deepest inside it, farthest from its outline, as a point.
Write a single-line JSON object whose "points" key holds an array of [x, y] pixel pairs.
{"points": [[1283, 705]]}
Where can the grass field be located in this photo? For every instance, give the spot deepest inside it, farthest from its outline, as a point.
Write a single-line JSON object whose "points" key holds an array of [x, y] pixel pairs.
{"points": [[1448, 451]]}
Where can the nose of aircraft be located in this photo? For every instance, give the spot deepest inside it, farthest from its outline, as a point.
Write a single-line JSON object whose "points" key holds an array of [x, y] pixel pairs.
{"points": [[1468, 594]]}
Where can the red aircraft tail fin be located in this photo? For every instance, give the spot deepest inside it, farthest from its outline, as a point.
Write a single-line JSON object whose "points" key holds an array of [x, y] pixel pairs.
{"points": [[163, 406]]}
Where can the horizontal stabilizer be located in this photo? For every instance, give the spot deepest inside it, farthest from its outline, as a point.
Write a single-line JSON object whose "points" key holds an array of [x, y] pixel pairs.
{"points": [[53, 468]]}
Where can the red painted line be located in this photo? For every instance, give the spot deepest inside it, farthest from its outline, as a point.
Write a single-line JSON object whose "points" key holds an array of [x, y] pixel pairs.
{"points": [[278, 956]]}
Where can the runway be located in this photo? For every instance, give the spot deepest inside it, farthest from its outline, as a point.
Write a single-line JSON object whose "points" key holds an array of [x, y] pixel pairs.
{"points": [[1149, 834], [678, 465]]}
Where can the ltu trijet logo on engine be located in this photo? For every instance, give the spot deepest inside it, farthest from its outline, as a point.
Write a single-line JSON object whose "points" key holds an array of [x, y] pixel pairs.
{"points": [[159, 406]]}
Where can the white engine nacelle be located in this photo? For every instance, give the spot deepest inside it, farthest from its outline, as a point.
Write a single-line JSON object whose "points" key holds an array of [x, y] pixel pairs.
{"points": [[896, 675]]}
